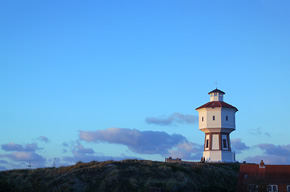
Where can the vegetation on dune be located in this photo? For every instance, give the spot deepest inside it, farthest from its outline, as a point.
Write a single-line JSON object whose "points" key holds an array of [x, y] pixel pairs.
{"points": [[127, 175]]}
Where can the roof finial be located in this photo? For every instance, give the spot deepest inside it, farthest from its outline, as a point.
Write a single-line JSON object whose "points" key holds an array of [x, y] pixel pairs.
{"points": [[216, 84]]}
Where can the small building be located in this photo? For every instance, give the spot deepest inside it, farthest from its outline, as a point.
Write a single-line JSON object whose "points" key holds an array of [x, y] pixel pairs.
{"points": [[261, 177], [171, 160], [217, 121]]}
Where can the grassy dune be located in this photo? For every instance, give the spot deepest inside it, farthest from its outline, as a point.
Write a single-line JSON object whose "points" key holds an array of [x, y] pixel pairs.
{"points": [[127, 175]]}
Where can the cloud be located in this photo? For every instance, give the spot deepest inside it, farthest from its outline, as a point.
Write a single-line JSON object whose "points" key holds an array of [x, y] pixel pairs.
{"points": [[88, 158], [65, 144], [273, 154], [23, 156], [186, 150], [23, 153], [279, 150], [80, 153], [175, 118], [3, 168], [43, 139], [144, 142], [259, 132], [3, 162], [17, 147], [269, 159], [238, 146], [35, 159], [147, 142], [80, 150]]}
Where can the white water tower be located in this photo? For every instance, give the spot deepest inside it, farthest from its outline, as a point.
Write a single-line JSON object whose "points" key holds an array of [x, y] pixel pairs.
{"points": [[217, 121]]}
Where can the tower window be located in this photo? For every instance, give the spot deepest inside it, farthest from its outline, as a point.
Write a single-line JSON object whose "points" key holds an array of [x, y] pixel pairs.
{"points": [[227, 118], [206, 145], [201, 118], [213, 118], [215, 94], [225, 143]]}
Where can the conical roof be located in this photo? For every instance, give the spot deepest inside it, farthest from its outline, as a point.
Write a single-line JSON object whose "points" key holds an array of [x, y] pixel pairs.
{"points": [[216, 91]]}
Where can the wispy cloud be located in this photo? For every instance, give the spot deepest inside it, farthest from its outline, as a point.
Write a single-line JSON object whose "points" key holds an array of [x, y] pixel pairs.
{"points": [[259, 132], [17, 147], [43, 139], [175, 118]]}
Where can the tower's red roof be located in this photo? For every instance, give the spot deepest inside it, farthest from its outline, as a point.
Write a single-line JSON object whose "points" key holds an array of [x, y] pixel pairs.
{"points": [[216, 104]]}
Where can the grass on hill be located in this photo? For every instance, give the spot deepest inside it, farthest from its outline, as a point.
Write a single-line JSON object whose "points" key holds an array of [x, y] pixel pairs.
{"points": [[126, 175]]}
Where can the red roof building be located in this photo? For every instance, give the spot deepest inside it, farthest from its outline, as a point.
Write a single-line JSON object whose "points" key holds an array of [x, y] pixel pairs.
{"points": [[255, 178]]}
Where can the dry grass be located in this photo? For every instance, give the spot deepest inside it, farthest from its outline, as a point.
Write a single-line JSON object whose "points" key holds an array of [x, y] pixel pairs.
{"points": [[126, 175]]}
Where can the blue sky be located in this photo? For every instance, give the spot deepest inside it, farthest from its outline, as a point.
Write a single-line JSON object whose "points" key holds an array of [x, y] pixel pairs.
{"points": [[98, 80]]}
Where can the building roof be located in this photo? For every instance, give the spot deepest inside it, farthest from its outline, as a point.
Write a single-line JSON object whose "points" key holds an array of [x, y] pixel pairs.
{"points": [[216, 104], [216, 91]]}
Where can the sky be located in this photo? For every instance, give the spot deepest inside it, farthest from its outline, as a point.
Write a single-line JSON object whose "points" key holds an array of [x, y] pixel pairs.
{"points": [[111, 80]]}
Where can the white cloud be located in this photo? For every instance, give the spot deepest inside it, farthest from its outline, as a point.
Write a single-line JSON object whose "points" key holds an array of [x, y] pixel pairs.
{"points": [[143, 142], [187, 151]]}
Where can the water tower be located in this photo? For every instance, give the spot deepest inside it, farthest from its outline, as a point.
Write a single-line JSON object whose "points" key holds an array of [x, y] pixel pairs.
{"points": [[217, 121]]}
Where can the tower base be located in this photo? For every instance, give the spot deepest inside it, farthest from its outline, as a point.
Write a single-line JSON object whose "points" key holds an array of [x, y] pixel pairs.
{"points": [[219, 156]]}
